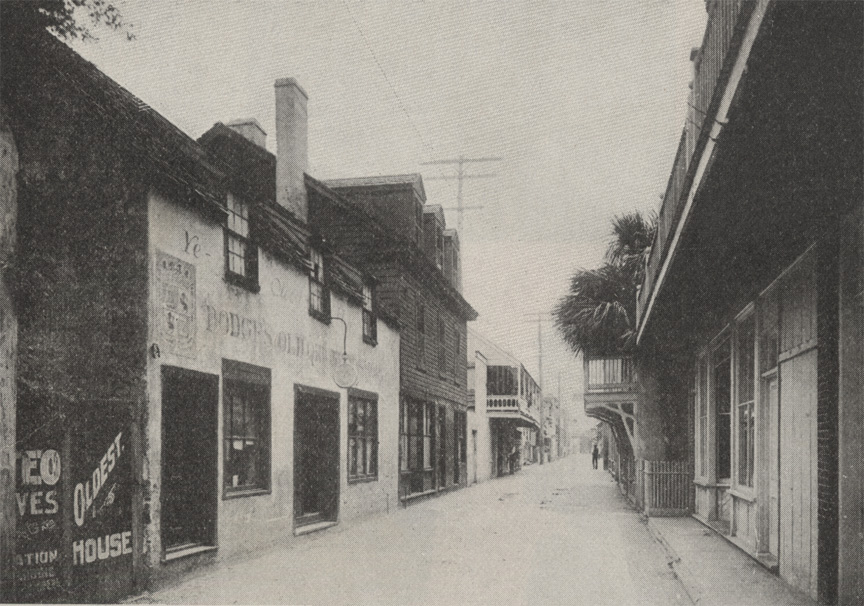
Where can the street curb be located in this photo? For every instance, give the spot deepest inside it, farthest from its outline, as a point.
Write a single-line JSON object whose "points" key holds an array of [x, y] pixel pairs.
{"points": [[681, 571]]}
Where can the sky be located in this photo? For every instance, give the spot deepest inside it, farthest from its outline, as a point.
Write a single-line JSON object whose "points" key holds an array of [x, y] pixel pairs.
{"points": [[584, 102]]}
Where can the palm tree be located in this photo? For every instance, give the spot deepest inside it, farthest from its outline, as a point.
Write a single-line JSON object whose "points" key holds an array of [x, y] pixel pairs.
{"points": [[599, 311]]}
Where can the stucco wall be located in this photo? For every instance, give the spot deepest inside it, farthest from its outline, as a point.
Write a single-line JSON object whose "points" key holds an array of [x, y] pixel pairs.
{"points": [[8, 351], [272, 329], [481, 421]]}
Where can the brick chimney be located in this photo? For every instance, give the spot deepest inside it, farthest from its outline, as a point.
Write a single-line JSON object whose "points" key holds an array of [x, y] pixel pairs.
{"points": [[291, 146], [251, 130]]}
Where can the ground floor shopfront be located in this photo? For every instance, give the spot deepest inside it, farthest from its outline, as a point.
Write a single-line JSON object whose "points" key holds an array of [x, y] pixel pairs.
{"points": [[774, 419], [433, 449]]}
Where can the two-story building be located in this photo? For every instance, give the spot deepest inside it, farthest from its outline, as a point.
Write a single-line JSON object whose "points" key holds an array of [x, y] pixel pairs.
{"points": [[505, 416], [750, 348], [382, 224], [198, 374]]}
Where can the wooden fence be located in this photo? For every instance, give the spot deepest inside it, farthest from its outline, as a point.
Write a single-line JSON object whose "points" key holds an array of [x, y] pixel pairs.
{"points": [[665, 487]]}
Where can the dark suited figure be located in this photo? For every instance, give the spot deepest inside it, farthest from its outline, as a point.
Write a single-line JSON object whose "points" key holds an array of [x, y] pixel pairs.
{"points": [[594, 454]]}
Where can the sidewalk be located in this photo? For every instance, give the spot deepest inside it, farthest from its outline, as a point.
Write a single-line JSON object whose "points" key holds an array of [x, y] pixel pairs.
{"points": [[713, 571]]}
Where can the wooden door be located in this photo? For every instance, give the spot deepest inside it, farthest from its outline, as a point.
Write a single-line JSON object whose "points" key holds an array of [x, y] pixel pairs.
{"points": [[798, 446], [189, 451], [316, 456]]}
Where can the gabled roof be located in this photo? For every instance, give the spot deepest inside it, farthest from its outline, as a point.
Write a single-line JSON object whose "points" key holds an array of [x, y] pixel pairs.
{"points": [[415, 180], [251, 172]]}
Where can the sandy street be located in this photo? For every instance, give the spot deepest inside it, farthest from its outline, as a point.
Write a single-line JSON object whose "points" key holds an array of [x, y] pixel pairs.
{"points": [[559, 533]]}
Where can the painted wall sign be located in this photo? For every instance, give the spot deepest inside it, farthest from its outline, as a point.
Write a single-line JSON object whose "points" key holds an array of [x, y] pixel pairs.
{"points": [[86, 493], [259, 331], [99, 553], [175, 288], [39, 537]]}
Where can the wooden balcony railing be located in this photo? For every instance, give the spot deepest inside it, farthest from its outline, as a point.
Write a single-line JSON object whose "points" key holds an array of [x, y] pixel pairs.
{"points": [[515, 404], [712, 64], [609, 374]]}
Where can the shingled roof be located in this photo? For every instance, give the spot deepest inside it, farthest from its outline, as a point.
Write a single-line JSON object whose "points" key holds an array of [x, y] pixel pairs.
{"points": [[380, 242], [148, 136], [251, 173], [413, 179]]}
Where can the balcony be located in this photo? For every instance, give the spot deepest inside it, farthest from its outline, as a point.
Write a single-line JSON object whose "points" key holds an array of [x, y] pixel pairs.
{"points": [[514, 408], [608, 379], [712, 64], [610, 392]]}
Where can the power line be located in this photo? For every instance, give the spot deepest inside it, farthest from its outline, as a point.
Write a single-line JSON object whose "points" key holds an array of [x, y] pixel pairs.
{"points": [[428, 147]]}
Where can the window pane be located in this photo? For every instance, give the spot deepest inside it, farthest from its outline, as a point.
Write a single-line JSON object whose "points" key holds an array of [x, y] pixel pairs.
{"points": [[361, 416], [246, 435], [746, 338], [743, 438], [722, 403], [372, 456]]}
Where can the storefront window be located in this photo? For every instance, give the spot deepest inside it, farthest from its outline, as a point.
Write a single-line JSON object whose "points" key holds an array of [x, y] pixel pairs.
{"points": [[362, 437], [246, 427], [746, 335], [702, 416], [722, 391]]}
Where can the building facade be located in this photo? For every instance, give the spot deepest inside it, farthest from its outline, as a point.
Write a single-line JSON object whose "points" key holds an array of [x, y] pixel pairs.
{"points": [[383, 225], [505, 421], [198, 373], [748, 364]]}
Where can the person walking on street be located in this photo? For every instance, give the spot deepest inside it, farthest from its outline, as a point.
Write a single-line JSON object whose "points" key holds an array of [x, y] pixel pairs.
{"points": [[594, 454]]}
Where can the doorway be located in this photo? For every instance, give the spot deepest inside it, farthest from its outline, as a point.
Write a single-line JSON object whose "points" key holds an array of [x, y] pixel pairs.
{"points": [[190, 403], [316, 455], [474, 459]]}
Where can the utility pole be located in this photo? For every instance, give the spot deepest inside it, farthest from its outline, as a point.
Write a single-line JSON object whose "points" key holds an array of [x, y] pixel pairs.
{"points": [[540, 317], [460, 163]]}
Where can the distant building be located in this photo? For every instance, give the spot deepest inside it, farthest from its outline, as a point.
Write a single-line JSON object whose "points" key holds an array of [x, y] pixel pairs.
{"points": [[506, 415]]}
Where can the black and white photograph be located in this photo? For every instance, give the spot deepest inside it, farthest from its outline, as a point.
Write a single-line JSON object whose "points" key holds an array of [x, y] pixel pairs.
{"points": [[432, 302]]}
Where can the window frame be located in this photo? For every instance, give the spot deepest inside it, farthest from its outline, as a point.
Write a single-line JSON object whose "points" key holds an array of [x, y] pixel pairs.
{"points": [[442, 345], [249, 278], [440, 448], [457, 351], [420, 331], [318, 281], [460, 443], [370, 315], [702, 417], [725, 339], [744, 439], [368, 436], [255, 382]]}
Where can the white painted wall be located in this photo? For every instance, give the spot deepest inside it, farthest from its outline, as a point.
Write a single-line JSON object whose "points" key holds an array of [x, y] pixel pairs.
{"points": [[272, 329]]}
